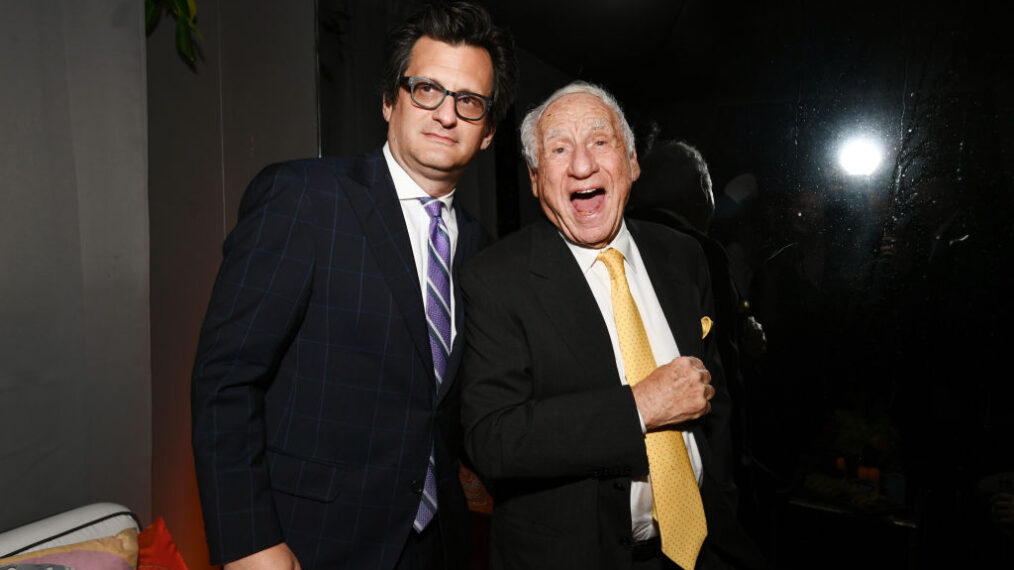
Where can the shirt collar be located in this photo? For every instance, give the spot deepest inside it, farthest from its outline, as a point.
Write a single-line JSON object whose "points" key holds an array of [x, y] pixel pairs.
{"points": [[407, 188], [623, 242]]}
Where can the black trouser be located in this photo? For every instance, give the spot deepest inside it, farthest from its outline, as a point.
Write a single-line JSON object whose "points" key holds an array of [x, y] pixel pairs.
{"points": [[647, 555]]}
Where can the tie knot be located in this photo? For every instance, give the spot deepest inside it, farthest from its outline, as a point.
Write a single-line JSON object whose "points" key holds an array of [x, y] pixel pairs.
{"points": [[432, 206], [613, 260]]}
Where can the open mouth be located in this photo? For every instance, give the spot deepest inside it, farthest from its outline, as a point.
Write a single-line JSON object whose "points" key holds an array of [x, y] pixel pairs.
{"points": [[588, 202]]}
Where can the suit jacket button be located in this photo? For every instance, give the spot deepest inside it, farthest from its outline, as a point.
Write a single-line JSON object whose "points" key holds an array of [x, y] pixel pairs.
{"points": [[618, 486], [416, 486]]}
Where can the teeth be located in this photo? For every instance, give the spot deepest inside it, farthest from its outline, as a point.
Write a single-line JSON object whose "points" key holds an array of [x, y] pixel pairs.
{"points": [[588, 191]]}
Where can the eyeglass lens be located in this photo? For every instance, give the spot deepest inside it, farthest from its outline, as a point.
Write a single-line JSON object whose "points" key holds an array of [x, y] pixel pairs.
{"points": [[431, 95]]}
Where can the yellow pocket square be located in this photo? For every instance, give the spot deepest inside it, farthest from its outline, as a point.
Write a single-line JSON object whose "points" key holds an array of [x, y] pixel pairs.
{"points": [[705, 326]]}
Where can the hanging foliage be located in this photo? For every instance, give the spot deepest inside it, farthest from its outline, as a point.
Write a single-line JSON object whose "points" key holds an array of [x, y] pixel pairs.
{"points": [[184, 12]]}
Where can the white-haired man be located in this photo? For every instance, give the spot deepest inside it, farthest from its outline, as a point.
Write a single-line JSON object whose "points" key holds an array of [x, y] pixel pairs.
{"points": [[590, 385]]}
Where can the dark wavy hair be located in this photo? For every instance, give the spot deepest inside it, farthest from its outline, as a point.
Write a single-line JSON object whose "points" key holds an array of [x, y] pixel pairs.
{"points": [[455, 23]]}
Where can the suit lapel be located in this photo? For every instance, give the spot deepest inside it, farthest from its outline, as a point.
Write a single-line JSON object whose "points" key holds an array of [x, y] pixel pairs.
{"points": [[563, 293], [375, 202], [469, 242], [674, 291]]}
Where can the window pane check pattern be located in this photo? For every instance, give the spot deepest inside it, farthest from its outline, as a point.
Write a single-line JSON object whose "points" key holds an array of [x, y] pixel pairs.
{"points": [[438, 321], [677, 500]]}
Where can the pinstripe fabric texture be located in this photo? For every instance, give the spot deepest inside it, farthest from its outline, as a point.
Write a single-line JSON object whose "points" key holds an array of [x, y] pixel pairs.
{"points": [[315, 406]]}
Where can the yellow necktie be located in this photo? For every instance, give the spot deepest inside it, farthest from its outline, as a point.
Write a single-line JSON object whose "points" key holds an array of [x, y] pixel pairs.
{"points": [[677, 506]]}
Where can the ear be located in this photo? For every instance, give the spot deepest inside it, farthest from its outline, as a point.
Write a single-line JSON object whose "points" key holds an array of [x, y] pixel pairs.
{"points": [[487, 138], [387, 109], [635, 168], [533, 177]]}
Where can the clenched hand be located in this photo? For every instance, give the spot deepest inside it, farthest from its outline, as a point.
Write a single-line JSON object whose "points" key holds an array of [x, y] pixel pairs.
{"points": [[674, 393]]}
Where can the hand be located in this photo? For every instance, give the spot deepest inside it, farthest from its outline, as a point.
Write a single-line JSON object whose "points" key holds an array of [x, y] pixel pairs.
{"points": [[278, 557], [674, 393]]}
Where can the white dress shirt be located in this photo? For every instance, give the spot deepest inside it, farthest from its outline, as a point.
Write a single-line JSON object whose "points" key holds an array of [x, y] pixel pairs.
{"points": [[663, 348], [418, 222]]}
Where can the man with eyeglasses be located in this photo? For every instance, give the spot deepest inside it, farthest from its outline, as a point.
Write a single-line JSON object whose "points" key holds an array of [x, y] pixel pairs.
{"points": [[326, 427]]}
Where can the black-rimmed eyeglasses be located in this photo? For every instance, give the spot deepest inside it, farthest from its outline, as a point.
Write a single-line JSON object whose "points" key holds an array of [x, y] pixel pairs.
{"points": [[429, 94]]}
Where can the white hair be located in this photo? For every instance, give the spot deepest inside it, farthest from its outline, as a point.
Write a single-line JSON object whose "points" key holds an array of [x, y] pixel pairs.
{"points": [[529, 146]]}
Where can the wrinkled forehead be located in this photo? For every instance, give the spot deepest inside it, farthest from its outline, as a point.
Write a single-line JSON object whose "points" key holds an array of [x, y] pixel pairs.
{"points": [[576, 115], [591, 126]]}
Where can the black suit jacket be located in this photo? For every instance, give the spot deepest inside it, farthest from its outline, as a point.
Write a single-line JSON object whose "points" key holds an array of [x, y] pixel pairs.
{"points": [[313, 399], [547, 422]]}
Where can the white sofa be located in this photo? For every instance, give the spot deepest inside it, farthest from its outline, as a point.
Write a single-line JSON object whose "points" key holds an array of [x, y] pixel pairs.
{"points": [[89, 522]]}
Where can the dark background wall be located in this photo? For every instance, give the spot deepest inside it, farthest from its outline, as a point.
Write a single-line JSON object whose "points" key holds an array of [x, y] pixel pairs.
{"points": [[75, 376]]}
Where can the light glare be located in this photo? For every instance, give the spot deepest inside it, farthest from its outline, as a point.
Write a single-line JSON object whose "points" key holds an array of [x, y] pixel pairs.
{"points": [[859, 156]]}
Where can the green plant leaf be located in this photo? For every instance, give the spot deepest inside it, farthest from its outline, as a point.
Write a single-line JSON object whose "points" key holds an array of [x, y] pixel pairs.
{"points": [[183, 41], [181, 8], [152, 13], [184, 12]]}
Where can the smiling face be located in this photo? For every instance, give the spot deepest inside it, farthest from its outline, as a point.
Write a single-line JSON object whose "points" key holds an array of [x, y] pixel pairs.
{"points": [[584, 174], [434, 145]]}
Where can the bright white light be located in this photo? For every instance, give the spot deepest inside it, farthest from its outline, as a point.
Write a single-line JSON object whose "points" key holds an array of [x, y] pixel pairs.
{"points": [[859, 156]]}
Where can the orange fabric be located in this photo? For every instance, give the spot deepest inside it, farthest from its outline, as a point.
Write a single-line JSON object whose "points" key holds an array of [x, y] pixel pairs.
{"points": [[479, 500], [157, 549]]}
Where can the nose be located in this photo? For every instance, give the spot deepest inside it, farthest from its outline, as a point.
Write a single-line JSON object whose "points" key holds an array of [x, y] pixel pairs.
{"points": [[583, 163], [445, 114]]}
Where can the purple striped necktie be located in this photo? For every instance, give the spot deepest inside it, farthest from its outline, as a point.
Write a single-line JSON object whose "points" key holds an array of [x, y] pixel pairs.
{"points": [[438, 322]]}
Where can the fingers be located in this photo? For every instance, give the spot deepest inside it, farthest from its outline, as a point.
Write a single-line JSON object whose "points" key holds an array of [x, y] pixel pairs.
{"points": [[698, 366], [709, 393], [693, 361], [675, 393]]}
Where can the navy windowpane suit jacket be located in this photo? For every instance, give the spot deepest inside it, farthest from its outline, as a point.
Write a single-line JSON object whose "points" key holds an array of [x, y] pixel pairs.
{"points": [[314, 399]]}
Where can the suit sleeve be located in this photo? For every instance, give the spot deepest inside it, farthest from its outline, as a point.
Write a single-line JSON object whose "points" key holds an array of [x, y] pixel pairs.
{"points": [[256, 306], [516, 425]]}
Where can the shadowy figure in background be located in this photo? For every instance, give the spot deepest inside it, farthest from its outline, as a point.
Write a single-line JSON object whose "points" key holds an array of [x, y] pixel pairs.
{"points": [[738, 224], [675, 190]]}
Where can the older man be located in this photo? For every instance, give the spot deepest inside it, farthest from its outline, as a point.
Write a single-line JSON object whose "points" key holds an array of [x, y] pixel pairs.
{"points": [[590, 384], [325, 418]]}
